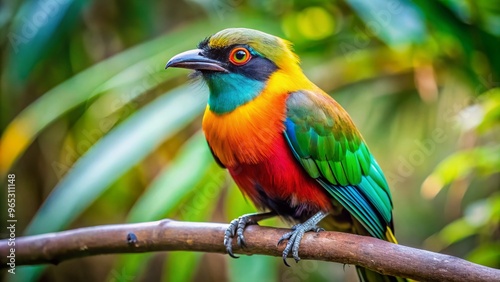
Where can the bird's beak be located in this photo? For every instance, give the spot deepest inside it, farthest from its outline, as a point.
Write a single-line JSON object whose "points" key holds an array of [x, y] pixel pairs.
{"points": [[194, 59]]}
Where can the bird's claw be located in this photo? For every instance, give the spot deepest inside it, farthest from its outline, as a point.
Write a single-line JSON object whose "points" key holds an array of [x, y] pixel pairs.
{"points": [[236, 228], [228, 237], [294, 237]]}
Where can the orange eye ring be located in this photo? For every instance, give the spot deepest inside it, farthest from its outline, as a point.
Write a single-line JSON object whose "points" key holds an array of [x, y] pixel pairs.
{"points": [[239, 56]]}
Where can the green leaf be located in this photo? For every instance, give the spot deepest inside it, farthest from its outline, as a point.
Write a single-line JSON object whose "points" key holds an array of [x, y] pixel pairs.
{"points": [[30, 39], [190, 187], [486, 254], [135, 264], [253, 268], [456, 231], [236, 204], [114, 154], [181, 266], [204, 197], [26, 273], [175, 182], [481, 160], [129, 65], [395, 23]]}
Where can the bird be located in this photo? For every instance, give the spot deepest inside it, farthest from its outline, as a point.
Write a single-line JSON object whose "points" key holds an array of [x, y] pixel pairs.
{"points": [[289, 146]]}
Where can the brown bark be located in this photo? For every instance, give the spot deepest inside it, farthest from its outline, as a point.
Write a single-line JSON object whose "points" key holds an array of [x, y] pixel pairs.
{"points": [[168, 235]]}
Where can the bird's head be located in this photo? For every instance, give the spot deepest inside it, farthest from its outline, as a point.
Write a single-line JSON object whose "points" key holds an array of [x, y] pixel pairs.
{"points": [[238, 64]]}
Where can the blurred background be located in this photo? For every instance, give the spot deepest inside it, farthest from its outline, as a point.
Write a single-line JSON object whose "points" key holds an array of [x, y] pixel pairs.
{"points": [[97, 132]]}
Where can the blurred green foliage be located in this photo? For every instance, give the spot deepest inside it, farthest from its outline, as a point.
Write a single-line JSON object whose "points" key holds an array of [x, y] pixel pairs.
{"points": [[98, 132]]}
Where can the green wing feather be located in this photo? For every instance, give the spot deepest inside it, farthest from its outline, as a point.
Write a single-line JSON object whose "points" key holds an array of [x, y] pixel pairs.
{"points": [[325, 141]]}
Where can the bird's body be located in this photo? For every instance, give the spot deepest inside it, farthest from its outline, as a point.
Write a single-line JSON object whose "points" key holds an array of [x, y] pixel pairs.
{"points": [[249, 142], [276, 182], [291, 149]]}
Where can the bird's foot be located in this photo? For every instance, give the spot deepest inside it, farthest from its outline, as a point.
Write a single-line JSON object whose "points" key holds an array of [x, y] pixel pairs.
{"points": [[295, 236], [237, 226]]}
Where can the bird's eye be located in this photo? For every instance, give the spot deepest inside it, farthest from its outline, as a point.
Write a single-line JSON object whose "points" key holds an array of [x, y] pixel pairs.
{"points": [[239, 56]]}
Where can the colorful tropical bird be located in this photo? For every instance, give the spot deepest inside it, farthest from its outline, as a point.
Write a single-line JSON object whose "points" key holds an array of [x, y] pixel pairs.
{"points": [[290, 147]]}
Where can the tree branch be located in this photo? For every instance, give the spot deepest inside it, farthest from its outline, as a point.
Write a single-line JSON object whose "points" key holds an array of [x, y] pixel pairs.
{"points": [[169, 235]]}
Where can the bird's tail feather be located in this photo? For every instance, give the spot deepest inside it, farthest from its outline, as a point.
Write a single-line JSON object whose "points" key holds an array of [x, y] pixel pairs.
{"points": [[367, 275], [390, 236]]}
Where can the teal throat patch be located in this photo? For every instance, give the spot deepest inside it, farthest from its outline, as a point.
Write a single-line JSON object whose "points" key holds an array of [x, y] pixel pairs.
{"points": [[229, 91]]}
